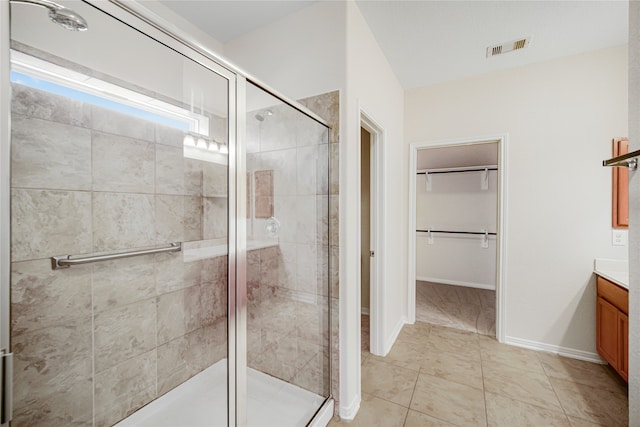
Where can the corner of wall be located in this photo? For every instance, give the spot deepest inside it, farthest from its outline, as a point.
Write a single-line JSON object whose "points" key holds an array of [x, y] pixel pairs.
{"points": [[393, 336], [348, 412], [634, 215]]}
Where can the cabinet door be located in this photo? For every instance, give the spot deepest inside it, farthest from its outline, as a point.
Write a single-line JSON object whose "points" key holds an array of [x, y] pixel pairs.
{"points": [[620, 196], [607, 331], [623, 345]]}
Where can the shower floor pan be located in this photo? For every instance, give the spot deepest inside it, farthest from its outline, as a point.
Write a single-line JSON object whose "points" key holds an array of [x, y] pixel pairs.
{"points": [[202, 402]]}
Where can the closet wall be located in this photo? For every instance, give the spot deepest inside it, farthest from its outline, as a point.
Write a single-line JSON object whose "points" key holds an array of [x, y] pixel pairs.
{"points": [[457, 201]]}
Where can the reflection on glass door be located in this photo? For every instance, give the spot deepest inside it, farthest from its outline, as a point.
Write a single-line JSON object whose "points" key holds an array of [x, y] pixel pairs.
{"points": [[287, 262], [119, 147]]}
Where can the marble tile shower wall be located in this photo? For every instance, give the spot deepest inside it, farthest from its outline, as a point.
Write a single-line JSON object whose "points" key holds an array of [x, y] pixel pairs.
{"points": [[95, 342], [288, 284]]}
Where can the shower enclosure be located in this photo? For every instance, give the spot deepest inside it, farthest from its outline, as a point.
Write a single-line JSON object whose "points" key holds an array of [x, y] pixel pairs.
{"points": [[168, 235]]}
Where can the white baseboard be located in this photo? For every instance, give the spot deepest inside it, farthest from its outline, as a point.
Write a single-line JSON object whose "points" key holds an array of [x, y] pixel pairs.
{"points": [[555, 349], [349, 412], [394, 336], [457, 283]]}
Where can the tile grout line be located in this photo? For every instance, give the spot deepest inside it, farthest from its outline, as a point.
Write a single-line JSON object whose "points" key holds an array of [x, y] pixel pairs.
{"points": [[484, 388], [556, 394], [415, 385]]}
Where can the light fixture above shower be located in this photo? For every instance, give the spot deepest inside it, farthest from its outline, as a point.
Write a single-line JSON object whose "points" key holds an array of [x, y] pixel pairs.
{"points": [[203, 147], [61, 15], [203, 142]]}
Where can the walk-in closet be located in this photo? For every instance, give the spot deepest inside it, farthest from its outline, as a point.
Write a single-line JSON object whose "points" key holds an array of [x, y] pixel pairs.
{"points": [[456, 229]]}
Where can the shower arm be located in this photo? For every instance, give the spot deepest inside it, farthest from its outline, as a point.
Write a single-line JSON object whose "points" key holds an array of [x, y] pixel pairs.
{"points": [[65, 17], [44, 3]]}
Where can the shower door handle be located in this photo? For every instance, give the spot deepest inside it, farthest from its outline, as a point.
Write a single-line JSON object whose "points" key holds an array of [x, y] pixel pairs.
{"points": [[65, 261]]}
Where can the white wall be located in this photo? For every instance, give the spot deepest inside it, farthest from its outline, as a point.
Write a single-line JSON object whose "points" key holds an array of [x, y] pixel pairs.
{"points": [[299, 55], [456, 202], [371, 87], [560, 116], [634, 216]]}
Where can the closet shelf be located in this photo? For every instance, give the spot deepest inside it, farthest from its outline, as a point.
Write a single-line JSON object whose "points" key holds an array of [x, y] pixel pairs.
{"points": [[458, 170], [481, 233]]}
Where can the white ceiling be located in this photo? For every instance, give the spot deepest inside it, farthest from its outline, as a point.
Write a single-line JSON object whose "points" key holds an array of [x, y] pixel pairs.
{"points": [[459, 156], [225, 20], [429, 42]]}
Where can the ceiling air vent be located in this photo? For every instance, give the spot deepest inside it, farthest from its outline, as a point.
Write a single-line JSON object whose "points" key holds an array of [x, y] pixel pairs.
{"points": [[508, 47]]}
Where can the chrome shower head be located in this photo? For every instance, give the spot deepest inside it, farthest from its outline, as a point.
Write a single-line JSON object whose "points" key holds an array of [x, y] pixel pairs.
{"points": [[68, 19], [266, 113], [62, 16]]}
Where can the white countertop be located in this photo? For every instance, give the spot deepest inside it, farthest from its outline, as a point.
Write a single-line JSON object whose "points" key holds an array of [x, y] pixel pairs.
{"points": [[616, 271]]}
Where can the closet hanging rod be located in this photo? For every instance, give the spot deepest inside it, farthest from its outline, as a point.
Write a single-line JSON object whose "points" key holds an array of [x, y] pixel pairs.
{"points": [[481, 233], [65, 261], [458, 170]]}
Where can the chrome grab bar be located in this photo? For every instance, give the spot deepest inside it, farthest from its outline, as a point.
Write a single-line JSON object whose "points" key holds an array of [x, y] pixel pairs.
{"points": [[65, 261]]}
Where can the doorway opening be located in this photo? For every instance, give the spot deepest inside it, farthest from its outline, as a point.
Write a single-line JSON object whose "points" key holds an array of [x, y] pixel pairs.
{"points": [[372, 284], [457, 234], [365, 238]]}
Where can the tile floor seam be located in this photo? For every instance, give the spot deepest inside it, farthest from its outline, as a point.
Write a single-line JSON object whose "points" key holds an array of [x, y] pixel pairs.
{"points": [[564, 411], [387, 400], [413, 392], [518, 367], [484, 388], [404, 422], [432, 416]]}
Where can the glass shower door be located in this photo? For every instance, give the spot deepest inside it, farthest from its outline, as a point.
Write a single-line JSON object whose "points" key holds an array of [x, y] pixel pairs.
{"points": [[287, 337], [119, 167]]}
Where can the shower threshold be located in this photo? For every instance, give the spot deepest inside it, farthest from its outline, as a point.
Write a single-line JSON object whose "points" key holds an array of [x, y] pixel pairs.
{"points": [[202, 402]]}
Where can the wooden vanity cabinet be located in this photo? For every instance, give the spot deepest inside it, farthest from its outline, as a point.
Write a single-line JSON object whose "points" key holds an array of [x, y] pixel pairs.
{"points": [[612, 325], [623, 338]]}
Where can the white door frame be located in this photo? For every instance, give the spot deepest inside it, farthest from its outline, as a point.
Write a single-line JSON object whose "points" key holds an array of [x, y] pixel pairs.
{"points": [[377, 271], [501, 240]]}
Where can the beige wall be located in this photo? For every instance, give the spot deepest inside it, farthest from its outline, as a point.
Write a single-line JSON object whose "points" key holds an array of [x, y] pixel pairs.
{"points": [[560, 117]]}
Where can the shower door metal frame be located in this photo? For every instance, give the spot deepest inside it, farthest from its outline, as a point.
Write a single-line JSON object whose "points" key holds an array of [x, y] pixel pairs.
{"points": [[143, 19], [5, 197]]}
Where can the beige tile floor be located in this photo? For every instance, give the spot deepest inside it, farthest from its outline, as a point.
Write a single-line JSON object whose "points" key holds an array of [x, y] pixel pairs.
{"points": [[438, 376], [458, 307]]}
